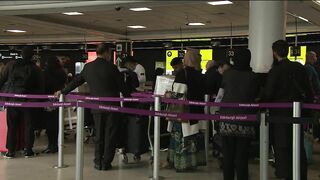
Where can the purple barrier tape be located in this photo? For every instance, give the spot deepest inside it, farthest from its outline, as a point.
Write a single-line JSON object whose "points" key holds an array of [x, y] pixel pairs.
{"points": [[109, 99], [37, 104], [142, 94], [187, 116], [231, 105], [311, 106], [27, 96]]}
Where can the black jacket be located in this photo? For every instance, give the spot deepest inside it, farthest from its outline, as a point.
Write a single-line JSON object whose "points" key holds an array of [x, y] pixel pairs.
{"points": [[55, 80], [196, 87], [103, 78], [212, 81], [21, 76], [287, 82], [239, 87]]}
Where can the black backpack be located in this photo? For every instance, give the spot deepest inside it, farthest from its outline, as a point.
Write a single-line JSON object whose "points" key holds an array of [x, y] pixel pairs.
{"points": [[19, 78]]}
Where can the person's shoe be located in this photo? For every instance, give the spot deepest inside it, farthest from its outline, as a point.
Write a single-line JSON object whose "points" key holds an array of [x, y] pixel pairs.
{"points": [[28, 154], [46, 151], [50, 150], [98, 167], [137, 158], [107, 167], [9, 155]]}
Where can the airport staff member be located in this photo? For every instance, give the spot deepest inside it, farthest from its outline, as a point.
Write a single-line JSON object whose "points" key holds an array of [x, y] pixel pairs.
{"points": [[132, 64], [104, 80], [287, 82]]}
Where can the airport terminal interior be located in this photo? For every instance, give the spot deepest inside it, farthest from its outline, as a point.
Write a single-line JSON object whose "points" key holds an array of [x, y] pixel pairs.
{"points": [[152, 34]]}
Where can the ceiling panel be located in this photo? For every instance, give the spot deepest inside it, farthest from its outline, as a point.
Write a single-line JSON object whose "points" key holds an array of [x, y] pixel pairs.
{"points": [[102, 22]]}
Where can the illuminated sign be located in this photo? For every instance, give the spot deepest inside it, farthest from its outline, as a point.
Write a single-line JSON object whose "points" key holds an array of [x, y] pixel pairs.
{"points": [[302, 58], [10, 56], [92, 55], [206, 55]]}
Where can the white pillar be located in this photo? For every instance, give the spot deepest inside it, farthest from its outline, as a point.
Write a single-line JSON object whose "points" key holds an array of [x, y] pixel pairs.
{"points": [[267, 23]]}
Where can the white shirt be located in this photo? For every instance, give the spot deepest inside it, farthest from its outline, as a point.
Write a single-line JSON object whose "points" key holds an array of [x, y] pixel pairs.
{"points": [[141, 73]]}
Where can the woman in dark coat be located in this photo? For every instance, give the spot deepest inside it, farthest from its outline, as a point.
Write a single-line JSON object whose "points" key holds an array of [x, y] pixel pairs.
{"points": [[240, 85], [185, 150], [55, 79]]}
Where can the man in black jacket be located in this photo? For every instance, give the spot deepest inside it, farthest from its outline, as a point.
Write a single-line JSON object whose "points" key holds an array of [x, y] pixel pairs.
{"points": [[104, 80], [287, 82], [21, 77]]}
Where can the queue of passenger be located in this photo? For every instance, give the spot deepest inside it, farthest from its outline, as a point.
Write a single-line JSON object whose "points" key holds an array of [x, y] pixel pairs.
{"points": [[286, 82]]}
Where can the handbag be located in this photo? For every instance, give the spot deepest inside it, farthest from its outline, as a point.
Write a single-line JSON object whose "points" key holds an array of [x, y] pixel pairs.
{"points": [[181, 94], [177, 108]]}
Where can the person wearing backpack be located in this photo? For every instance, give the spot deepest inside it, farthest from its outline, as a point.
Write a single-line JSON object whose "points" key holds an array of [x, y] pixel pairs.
{"points": [[21, 77]]}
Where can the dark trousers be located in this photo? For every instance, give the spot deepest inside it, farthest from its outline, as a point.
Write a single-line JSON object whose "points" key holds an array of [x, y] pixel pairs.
{"points": [[316, 130], [106, 126], [235, 157], [52, 128], [14, 118], [281, 136]]}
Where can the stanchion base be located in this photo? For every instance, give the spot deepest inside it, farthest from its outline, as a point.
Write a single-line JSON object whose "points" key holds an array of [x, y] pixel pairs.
{"points": [[60, 167], [160, 178]]}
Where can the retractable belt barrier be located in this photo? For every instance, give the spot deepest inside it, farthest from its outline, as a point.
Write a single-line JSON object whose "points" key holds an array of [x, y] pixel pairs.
{"points": [[89, 102]]}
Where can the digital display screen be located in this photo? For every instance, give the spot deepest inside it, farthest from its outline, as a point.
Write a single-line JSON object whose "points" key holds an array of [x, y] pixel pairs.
{"points": [[92, 55]]}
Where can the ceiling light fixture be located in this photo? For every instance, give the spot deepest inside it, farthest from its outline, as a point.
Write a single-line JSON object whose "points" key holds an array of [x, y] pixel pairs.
{"points": [[195, 24], [217, 3], [72, 13], [316, 1], [304, 19], [15, 31], [140, 9], [136, 27]]}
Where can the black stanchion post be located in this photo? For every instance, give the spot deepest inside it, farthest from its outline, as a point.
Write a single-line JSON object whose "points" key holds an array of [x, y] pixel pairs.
{"points": [[264, 147], [296, 142]]}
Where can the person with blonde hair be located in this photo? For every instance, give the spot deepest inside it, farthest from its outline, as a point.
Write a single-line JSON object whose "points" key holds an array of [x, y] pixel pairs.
{"points": [[186, 149]]}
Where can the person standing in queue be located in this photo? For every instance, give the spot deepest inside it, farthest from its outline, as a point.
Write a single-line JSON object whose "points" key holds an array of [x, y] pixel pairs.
{"points": [[21, 77], [240, 84], [177, 65], [104, 80], [286, 82], [139, 69], [185, 151], [55, 79]]}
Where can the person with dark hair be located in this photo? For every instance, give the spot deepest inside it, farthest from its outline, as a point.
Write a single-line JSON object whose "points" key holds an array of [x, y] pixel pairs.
{"points": [[241, 85], [286, 82], [176, 64], [21, 77], [104, 80], [133, 64], [158, 72], [64, 60], [55, 79], [135, 126], [213, 76]]}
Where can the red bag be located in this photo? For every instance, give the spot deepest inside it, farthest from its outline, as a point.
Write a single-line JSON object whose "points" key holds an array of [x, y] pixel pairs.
{"points": [[3, 133]]}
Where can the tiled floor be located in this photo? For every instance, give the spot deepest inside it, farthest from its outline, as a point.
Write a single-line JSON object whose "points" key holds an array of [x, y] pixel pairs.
{"points": [[40, 168]]}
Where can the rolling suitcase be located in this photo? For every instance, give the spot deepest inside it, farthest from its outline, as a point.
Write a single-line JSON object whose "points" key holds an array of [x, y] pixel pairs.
{"points": [[3, 133]]}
